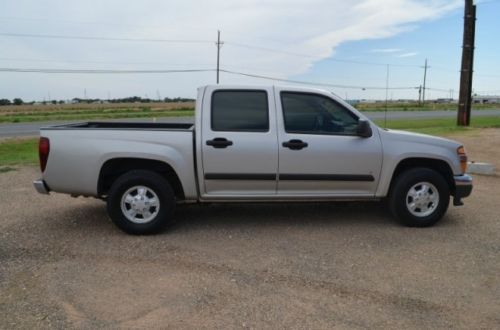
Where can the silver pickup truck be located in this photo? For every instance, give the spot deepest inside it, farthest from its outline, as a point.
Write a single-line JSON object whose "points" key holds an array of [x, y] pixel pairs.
{"points": [[253, 144]]}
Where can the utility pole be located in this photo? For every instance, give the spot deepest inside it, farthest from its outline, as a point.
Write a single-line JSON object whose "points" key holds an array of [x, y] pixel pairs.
{"points": [[219, 46], [386, 95], [425, 78], [420, 95], [465, 94]]}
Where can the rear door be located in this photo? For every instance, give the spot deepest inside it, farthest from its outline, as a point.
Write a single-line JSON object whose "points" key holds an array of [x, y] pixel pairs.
{"points": [[239, 143]]}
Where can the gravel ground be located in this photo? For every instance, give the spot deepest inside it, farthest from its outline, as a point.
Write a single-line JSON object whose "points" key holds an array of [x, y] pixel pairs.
{"points": [[338, 265]]}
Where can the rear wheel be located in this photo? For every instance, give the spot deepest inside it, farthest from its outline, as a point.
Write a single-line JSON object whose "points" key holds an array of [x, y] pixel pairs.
{"points": [[141, 202], [419, 197]]}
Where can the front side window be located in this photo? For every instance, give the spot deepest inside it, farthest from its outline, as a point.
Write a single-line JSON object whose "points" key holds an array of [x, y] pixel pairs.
{"points": [[234, 110], [316, 114]]}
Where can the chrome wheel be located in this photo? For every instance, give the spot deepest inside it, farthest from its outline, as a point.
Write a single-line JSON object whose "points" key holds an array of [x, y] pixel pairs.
{"points": [[140, 204], [422, 199]]}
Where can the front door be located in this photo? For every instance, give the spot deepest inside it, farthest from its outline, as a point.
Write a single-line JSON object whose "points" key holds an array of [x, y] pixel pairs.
{"points": [[239, 143], [320, 153]]}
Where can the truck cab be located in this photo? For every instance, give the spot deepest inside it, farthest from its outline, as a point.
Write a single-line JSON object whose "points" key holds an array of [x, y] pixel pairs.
{"points": [[283, 143]]}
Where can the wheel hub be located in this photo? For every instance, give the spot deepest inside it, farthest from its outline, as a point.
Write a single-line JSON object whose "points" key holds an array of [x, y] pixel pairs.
{"points": [[140, 204], [422, 199]]}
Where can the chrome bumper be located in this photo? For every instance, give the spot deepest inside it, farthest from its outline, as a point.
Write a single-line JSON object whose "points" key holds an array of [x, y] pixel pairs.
{"points": [[41, 187], [463, 188]]}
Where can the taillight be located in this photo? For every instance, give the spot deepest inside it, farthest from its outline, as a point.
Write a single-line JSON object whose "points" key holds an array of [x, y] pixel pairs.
{"points": [[463, 158], [43, 152]]}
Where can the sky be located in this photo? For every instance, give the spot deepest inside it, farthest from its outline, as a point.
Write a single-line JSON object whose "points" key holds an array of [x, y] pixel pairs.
{"points": [[352, 48]]}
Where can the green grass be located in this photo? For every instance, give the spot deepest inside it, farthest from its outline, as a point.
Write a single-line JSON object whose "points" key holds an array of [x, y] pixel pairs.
{"points": [[90, 115], [442, 126], [18, 152]]}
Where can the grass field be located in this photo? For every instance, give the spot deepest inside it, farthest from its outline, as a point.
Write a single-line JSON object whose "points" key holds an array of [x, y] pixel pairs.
{"points": [[24, 151], [18, 152], [31, 113]]}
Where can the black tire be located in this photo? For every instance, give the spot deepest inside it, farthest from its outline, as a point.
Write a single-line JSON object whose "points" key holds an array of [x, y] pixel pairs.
{"points": [[156, 185], [399, 198]]}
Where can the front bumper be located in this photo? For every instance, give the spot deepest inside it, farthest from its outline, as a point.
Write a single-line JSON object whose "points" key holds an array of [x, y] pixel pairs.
{"points": [[463, 188], [41, 187]]}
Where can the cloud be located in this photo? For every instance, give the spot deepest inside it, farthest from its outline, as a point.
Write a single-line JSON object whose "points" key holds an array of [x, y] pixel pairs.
{"points": [[314, 27], [410, 54], [386, 50]]}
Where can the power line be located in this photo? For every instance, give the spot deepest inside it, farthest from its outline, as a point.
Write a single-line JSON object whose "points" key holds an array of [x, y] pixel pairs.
{"points": [[438, 89], [54, 36], [69, 37], [109, 71], [201, 41], [97, 62], [487, 91], [177, 64], [161, 71], [98, 71], [487, 75], [313, 83]]}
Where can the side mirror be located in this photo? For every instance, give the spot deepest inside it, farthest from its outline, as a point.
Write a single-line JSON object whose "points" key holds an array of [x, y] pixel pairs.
{"points": [[364, 129]]}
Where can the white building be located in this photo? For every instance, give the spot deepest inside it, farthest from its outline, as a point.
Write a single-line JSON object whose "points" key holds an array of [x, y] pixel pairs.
{"points": [[486, 99]]}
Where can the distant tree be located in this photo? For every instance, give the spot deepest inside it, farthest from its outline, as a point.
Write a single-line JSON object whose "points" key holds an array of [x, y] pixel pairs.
{"points": [[5, 102], [61, 102], [17, 101]]}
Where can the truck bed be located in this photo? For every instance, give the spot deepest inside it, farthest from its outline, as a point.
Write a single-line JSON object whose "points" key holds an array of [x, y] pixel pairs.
{"points": [[79, 151], [124, 125]]}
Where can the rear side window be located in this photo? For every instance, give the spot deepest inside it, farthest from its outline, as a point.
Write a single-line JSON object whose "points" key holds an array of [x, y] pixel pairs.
{"points": [[236, 110]]}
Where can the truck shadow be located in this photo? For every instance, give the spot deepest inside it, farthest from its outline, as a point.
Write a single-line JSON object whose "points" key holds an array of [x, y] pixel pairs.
{"points": [[193, 217], [198, 216], [335, 215]]}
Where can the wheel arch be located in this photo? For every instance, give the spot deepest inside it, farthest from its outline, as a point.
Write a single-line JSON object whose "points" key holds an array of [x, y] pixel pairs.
{"points": [[115, 167], [438, 165]]}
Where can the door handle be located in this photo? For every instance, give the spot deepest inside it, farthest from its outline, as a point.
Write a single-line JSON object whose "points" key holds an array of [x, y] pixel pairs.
{"points": [[295, 144], [219, 143]]}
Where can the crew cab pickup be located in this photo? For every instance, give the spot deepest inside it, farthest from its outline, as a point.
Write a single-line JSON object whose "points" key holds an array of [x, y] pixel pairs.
{"points": [[253, 144]]}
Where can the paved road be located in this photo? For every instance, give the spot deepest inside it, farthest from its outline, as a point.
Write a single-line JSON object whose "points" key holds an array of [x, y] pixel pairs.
{"points": [[29, 129]]}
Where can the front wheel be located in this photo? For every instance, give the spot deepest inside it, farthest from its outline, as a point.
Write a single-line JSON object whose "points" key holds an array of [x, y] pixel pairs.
{"points": [[419, 197], [141, 202]]}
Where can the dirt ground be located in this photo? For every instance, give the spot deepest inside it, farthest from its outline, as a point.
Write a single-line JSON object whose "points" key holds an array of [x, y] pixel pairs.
{"points": [[336, 265]]}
